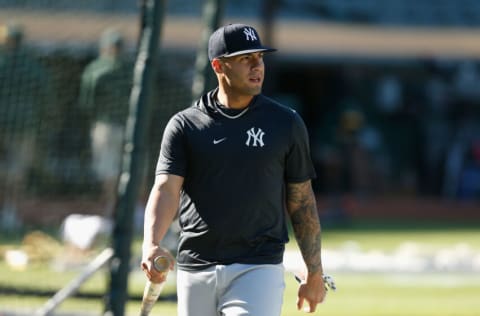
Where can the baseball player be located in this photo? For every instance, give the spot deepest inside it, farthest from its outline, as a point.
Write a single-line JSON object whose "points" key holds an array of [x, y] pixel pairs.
{"points": [[104, 94], [25, 92], [236, 165]]}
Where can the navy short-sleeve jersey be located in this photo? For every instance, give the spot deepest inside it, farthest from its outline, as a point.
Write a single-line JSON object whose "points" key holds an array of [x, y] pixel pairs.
{"points": [[232, 207]]}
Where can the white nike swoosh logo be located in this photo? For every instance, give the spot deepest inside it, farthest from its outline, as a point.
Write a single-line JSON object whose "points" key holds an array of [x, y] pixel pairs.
{"points": [[218, 141]]}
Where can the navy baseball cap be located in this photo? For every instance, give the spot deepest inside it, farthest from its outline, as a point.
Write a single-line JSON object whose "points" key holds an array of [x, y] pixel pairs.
{"points": [[233, 40]]}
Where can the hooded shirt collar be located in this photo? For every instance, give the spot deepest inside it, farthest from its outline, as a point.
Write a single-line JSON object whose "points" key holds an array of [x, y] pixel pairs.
{"points": [[207, 103]]}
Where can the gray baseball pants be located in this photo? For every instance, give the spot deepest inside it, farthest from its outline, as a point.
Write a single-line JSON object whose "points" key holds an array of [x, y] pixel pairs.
{"points": [[231, 290]]}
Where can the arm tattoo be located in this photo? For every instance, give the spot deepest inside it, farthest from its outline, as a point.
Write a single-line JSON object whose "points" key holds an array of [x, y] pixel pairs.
{"points": [[302, 208]]}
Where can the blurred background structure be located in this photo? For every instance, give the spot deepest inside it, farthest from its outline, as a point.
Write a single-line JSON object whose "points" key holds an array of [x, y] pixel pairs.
{"points": [[388, 90]]}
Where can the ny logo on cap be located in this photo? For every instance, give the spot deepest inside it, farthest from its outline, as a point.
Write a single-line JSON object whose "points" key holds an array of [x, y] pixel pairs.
{"points": [[250, 34]]}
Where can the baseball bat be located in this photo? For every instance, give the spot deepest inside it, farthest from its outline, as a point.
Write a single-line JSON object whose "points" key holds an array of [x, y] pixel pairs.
{"points": [[152, 290]]}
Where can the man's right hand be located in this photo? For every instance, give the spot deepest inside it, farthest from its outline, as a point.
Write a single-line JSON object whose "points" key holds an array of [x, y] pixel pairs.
{"points": [[149, 254]]}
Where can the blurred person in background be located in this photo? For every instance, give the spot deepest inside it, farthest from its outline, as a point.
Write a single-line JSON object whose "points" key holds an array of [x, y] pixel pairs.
{"points": [[436, 127], [104, 98], [461, 162], [397, 105], [353, 158], [24, 93]]}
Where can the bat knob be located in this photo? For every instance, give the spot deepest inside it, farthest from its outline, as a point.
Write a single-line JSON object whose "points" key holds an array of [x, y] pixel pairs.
{"points": [[161, 263]]}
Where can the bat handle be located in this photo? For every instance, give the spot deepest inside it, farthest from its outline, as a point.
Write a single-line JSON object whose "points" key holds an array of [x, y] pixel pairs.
{"points": [[152, 290]]}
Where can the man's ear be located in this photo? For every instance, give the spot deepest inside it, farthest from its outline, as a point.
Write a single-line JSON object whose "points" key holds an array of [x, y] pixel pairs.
{"points": [[217, 65]]}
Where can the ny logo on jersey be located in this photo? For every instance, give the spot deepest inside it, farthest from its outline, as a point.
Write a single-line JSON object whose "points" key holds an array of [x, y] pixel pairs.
{"points": [[250, 34], [255, 138]]}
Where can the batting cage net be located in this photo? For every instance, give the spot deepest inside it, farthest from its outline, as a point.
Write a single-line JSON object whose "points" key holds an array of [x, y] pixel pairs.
{"points": [[66, 71]]}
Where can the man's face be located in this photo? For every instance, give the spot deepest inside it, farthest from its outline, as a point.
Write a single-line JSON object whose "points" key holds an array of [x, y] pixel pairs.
{"points": [[243, 74]]}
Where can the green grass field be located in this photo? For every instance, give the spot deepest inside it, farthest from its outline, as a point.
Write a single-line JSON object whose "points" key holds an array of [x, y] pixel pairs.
{"points": [[361, 295], [377, 294], [373, 294]]}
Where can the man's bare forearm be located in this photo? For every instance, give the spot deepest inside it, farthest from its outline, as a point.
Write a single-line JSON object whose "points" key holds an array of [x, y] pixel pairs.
{"points": [[161, 208], [302, 208]]}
